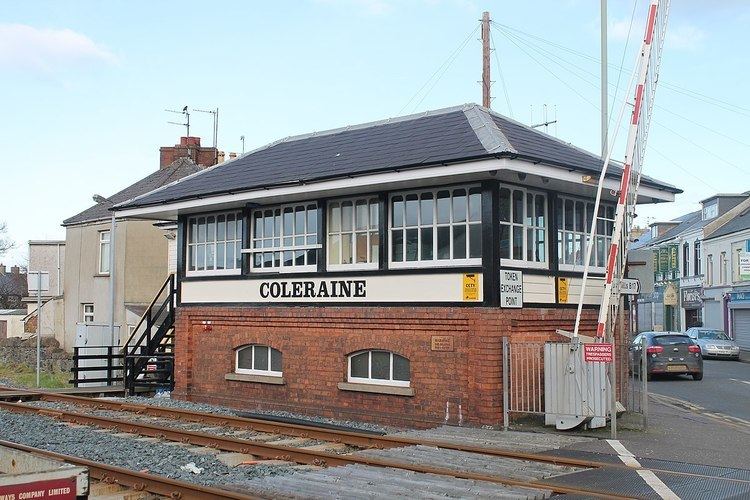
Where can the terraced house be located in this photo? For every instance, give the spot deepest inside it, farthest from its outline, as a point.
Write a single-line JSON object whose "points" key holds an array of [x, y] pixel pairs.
{"points": [[372, 271]]}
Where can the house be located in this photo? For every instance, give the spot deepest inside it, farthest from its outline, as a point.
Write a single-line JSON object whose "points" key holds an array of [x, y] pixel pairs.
{"points": [[141, 250], [670, 265], [47, 256], [11, 323], [13, 286], [371, 272], [727, 273]]}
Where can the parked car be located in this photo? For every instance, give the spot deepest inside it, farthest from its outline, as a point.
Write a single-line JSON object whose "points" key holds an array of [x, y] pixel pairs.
{"points": [[667, 352], [714, 343]]}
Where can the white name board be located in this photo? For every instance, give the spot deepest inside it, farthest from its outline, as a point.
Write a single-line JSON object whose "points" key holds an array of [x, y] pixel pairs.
{"points": [[630, 286], [745, 266], [32, 279], [361, 289], [511, 289]]}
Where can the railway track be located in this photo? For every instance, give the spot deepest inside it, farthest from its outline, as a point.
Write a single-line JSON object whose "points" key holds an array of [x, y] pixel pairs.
{"points": [[300, 455]]}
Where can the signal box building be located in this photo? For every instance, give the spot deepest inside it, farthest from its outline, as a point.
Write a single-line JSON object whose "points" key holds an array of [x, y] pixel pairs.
{"points": [[371, 272]]}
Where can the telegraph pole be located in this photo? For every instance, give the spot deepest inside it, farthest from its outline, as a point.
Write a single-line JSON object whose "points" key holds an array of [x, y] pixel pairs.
{"points": [[486, 59]]}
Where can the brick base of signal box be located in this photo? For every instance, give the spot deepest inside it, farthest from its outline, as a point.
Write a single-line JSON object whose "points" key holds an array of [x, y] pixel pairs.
{"points": [[315, 342]]}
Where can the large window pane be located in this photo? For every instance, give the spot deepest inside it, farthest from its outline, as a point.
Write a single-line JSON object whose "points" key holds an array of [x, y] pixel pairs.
{"points": [[427, 243], [475, 204], [475, 241], [361, 248], [374, 247], [398, 211], [346, 248], [245, 358], [412, 210], [427, 208], [568, 215], [346, 216], [505, 205], [381, 365], [334, 249], [334, 218], [275, 360], [361, 215], [443, 207], [397, 245], [260, 357], [412, 244], [505, 241], [459, 242], [518, 243], [444, 242], [459, 205], [400, 368], [518, 206], [360, 365]]}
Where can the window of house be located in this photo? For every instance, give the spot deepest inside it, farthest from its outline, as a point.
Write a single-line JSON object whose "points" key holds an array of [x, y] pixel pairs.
{"points": [[87, 312], [723, 268], [215, 244], [104, 249], [523, 226], [686, 259], [574, 219], [379, 367], [285, 238], [709, 270], [436, 227], [258, 360], [711, 211], [697, 271], [353, 237]]}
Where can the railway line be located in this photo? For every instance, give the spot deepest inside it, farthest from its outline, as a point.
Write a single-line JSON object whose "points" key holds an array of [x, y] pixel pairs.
{"points": [[160, 422]]}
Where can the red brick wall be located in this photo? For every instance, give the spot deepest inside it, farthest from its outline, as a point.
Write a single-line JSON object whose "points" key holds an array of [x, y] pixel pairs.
{"points": [[316, 340]]}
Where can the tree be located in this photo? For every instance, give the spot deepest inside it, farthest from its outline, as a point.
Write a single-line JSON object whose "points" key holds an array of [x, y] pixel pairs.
{"points": [[5, 242]]}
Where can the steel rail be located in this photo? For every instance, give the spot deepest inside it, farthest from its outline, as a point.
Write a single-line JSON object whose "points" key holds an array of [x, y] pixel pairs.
{"points": [[287, 453], [138, 481], [337, 436]]}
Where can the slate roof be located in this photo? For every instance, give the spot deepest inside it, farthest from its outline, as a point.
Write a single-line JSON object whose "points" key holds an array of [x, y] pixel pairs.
{"points": [[739, 223], [688, 222], [178, 169], [448, 135]]}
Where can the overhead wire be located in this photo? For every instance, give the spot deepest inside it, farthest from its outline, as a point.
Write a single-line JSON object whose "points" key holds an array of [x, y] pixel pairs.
{"points": [[500, 72], [622, 64], [443, 67], [556, 60]]}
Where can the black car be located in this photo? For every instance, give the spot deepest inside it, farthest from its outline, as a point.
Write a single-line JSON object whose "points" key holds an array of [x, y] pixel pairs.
{"points": [[667, 352]]}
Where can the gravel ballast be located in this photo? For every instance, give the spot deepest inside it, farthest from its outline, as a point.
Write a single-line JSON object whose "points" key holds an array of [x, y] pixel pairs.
{"points": [[127, 451], [223, 410]]}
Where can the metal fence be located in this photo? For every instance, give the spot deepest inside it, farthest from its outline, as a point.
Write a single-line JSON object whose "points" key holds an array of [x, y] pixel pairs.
{"points": [[524, 387]]}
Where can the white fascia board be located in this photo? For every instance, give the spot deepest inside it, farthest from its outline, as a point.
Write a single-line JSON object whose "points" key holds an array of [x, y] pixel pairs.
{"points": [[378, 180]]}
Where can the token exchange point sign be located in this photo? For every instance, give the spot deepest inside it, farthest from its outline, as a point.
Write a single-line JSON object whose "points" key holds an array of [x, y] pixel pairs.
{"points": [[598, 353]]}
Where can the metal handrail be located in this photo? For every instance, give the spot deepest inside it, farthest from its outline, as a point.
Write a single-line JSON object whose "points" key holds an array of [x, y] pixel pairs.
{"points": [[147, 311]]}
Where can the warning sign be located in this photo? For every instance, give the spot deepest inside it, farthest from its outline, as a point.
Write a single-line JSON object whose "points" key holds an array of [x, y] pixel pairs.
{"points": [[562, 290], [598, 353], [471, 286]]}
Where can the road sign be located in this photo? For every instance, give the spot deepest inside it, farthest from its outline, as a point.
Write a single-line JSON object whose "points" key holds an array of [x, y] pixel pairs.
{"points": [[630, 286], [598, 352]]}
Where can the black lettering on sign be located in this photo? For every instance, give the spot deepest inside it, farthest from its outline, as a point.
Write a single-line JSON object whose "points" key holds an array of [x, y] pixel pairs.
{"points": [[312, 290]]}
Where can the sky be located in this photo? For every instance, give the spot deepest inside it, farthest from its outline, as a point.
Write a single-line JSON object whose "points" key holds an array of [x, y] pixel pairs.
{"points": [[84, 84]]}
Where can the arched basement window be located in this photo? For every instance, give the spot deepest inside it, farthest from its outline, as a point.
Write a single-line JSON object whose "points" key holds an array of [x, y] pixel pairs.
{"points": [[379, 367], [258, 360]]}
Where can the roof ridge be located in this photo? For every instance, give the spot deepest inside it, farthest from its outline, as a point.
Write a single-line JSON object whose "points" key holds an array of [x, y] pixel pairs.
{"points": [[489, 134]]}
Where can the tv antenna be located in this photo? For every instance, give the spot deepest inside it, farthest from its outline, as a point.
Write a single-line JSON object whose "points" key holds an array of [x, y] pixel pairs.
{"points": [[215, 113], [545, 122], [187, 119], [242, 138]]}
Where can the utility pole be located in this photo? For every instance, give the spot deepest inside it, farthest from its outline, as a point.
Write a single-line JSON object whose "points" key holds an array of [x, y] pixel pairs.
{"points": [[486, 59], [605, 98]]}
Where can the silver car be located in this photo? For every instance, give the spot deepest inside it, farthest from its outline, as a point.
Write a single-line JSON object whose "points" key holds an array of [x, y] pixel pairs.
{"points": [[714, 343]]}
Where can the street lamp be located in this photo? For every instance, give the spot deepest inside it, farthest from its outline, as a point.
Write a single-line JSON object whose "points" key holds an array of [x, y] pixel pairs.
{"points": [[106, 201]]}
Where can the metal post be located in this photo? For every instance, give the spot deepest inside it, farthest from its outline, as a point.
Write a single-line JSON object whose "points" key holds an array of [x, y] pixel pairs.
{"points": [[604, 89], [112, 281], [38, 326], [644, 381], [506, 384]]}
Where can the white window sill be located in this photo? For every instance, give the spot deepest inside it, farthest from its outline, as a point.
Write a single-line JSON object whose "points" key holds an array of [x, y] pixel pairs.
{"points": [[523, 264], [258, 379], [576, 268], [353, 267], [376, 389], [284, 270], [430, 264], [218, 272]]}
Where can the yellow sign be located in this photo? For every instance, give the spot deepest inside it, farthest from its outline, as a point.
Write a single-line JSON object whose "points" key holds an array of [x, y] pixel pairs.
{"points": [[471, 287], [562, 290], [670, 295]]}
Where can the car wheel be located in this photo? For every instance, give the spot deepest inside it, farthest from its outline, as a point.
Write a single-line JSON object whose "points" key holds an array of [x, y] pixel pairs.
{"points": [[698, 376]]}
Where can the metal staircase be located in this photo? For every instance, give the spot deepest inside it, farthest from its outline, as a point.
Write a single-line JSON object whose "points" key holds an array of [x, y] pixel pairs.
{"points": [[149, 351]]}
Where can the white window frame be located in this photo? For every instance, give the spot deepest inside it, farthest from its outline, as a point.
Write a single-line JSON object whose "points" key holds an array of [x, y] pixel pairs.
{"points": [[370, 201], [709, 270], [711, 211], [723, 271], [523, 226], [374, 381], [435, 262], [88, 316], [563, 266], [102, 244], [281, 268], [253, 371], [190, 245], [697, 258]]}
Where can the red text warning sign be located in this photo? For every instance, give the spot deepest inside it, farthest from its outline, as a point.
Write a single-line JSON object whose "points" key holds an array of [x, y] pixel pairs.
{"points": [[598, 353]]}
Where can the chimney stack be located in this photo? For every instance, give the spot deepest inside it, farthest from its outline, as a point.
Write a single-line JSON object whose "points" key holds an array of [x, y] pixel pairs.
{"points": [[2, 268], [15, 270], [189, 147]]}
